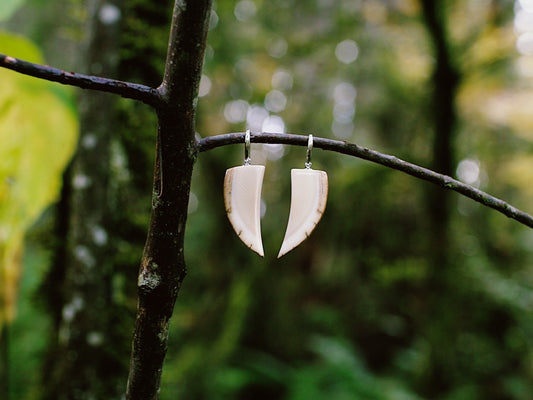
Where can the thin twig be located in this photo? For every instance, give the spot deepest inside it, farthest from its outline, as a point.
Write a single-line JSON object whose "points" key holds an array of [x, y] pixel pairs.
{"points": [[128, 90], [393, 162]]}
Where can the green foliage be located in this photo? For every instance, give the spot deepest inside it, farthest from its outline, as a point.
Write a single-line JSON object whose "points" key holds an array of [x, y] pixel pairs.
{"points": [[363, 309], [8, 7], [38, 131], [27, 340]]}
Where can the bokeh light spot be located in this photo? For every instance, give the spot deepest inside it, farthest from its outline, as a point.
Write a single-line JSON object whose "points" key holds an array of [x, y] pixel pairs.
{"points": [[213, 20], [273, 124], [255, 117], [468, 171], [205, 86], [527, 5], [524, 44], [275, 101], [344, 113], [245, 10], [342, 130], [282, 80], [273, 151], [109, 14], [236, 111], [347, 51], [277, 47], [344, 93]]}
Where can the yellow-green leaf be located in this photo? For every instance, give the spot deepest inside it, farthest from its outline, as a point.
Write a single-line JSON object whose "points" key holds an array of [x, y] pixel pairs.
{"points": [[38, 134]]}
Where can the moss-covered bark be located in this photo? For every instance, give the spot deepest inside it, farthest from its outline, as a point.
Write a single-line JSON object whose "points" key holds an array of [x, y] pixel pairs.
{"points": [[83, 362], [163, 265]]}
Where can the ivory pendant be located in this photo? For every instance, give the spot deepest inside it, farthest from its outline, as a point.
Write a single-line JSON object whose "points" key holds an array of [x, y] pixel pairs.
{"points": [[242, 199], [309, 195]]}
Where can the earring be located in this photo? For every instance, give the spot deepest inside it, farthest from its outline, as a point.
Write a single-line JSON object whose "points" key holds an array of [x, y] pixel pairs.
{"points": [[309, 193], [242, 199]]}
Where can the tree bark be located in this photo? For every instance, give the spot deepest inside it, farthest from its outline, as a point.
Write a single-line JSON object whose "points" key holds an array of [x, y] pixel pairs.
{"points": [[446, 79], [83, 363], [445, 83], [163, 264]]}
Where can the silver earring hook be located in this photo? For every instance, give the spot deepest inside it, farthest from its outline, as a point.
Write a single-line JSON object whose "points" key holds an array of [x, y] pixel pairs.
{"points": [[309, 149], [247, 158]]}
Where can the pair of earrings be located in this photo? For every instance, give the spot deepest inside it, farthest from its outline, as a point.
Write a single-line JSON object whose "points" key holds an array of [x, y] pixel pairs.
{"points": [[242, 199]]}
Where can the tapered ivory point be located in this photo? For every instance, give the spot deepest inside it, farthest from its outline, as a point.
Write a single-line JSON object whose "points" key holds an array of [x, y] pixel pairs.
{"points": [[309, 194], [242, 199]]}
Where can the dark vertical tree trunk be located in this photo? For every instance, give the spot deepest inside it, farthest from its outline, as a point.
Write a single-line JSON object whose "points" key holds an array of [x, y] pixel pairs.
{"points": [[84, 364], [163, 264], [445, 83]]}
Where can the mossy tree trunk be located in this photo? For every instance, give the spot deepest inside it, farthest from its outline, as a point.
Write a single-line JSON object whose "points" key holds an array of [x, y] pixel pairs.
{"points": [[163, 263], [83, 363]]}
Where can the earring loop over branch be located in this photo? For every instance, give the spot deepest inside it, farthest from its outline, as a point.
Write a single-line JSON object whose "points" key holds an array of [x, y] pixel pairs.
{"points": [[247, 141], [308, 162]]}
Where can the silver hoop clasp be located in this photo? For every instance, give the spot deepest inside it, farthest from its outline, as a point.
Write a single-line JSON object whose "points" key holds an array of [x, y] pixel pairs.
{"points": [[247, 158], [308, 162]]}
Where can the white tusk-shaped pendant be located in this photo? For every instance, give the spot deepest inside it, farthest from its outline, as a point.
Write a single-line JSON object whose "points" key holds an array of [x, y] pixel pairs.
{"points": [[309, 193], [242, 198]]}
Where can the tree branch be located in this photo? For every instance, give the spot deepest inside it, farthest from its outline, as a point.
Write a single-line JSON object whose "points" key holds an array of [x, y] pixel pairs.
{"points": [[386, 160], [128, 90], [163, 263], [183, 66]]}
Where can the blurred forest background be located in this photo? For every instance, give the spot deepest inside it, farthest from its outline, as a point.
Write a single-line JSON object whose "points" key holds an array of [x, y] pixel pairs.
{"points": [[404, 291]]}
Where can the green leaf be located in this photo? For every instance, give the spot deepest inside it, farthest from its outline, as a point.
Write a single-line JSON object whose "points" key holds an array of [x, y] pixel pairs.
{"points": [[8, 7], [18, 46], [38, 134]]}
